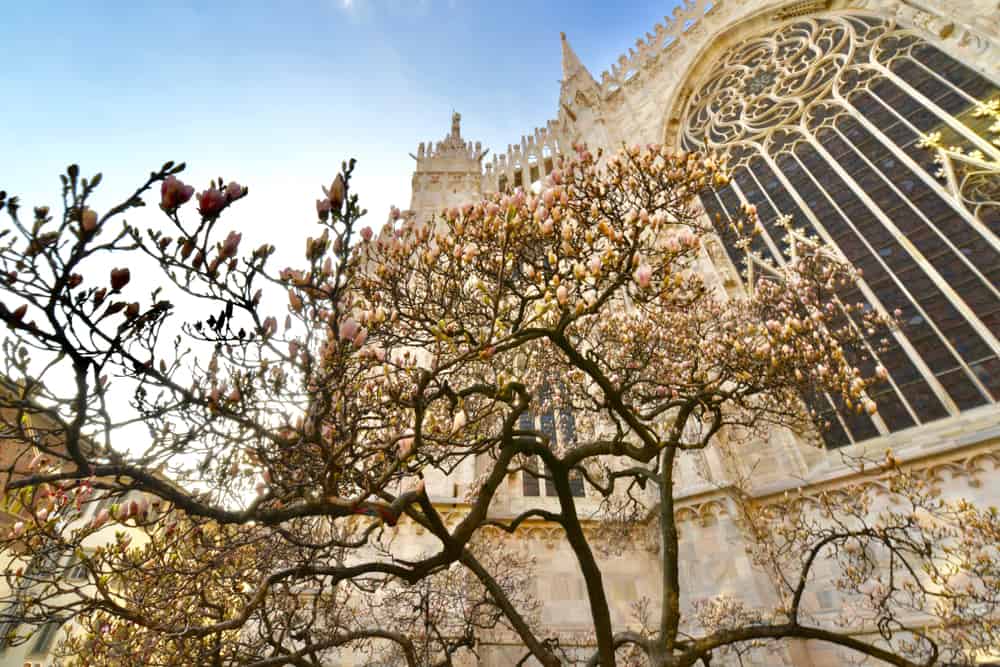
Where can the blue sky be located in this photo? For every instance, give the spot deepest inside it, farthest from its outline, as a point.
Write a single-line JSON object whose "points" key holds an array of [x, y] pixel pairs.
{"points": [[275, 94]]}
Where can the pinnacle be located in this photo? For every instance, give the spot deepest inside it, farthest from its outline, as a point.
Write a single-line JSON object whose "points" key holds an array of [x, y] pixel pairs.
{"points": [[571, 64]]}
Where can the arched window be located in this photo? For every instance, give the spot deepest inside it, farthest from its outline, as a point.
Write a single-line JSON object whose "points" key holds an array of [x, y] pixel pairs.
{"points": [[823, 120]]}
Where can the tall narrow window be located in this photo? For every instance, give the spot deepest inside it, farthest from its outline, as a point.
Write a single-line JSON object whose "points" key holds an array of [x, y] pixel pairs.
{"points": [[45, 637], [557, 426]]}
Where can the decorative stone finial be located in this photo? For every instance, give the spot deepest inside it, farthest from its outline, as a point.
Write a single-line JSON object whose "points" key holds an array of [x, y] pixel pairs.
{"points": [[456, 122]]}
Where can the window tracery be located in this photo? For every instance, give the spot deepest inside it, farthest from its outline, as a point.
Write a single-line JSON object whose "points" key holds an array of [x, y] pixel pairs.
{"points": [[825, 121]]}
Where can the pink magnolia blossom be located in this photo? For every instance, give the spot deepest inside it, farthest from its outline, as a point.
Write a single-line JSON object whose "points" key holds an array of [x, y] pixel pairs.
{"points": [[323, 207], [349, 328], [234, 191], [366, 234], [174, 193], [88, 220], [643, 275], [404, 448], [270, 327], [120, 278], [459, 421], [562, 294], [360, 337], [336, 193], [230, 245], [100, 518], [211, 202]]}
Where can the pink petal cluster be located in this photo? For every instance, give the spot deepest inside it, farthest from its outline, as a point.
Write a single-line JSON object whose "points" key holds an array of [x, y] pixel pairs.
{"points": [[211, 202], [323, 207], [643, 274], [174, 193], [230, 245]]}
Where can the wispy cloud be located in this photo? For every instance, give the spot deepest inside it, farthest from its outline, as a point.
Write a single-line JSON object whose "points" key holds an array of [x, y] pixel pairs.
{"points": [[395, 7]]}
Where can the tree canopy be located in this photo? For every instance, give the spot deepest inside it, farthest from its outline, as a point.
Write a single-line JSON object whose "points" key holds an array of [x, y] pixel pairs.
{"points": [[292, 415]]}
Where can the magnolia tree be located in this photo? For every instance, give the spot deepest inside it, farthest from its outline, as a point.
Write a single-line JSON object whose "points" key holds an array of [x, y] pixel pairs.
{"points": [[289, 429]]}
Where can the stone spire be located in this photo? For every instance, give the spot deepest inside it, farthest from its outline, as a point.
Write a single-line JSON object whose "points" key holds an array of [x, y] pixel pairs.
{"points": [[579, 100], [571, 64], [576, 80]]}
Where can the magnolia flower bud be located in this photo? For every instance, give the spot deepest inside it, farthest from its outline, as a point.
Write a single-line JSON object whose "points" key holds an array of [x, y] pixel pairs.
{"points": [[336, 192], [360, 337], [120, 278], [234, 191], [294, 300], [562, 295], [100, 518], [323, 208], [88, 220], [643, 275], [230, 245], [459, 421], [270, 327], [349, 329], [404, 448]]}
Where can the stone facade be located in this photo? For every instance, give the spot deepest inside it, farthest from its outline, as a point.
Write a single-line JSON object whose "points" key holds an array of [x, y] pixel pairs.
{"points": [[645, 97]]}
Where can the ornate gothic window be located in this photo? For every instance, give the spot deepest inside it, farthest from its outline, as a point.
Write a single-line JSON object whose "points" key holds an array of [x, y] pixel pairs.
{"points": [[823, 120]]}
